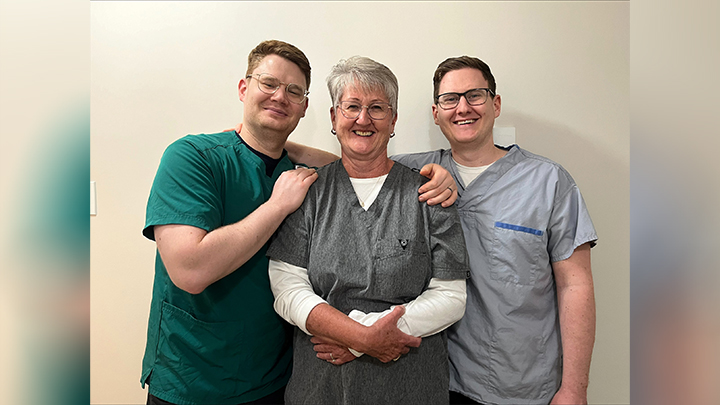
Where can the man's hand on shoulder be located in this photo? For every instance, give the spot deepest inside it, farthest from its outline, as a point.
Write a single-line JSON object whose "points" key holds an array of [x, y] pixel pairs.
{"points": [[291, 187], [440, 189]]}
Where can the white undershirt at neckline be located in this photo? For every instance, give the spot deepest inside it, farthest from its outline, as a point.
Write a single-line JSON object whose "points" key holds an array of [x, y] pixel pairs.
{"points": [[367, 190], [469, 173]]}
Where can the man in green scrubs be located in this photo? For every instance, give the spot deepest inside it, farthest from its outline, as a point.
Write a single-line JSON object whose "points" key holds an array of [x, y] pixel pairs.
{"points": [[213, 336]]}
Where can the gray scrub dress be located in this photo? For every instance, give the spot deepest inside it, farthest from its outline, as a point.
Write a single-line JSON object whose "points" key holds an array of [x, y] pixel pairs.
{"points": [[371, 260]]}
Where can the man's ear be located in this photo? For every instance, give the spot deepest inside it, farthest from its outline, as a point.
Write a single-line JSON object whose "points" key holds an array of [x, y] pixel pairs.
{"points": [[307, 103], [242, 90], [496, 105], [435, 114]]}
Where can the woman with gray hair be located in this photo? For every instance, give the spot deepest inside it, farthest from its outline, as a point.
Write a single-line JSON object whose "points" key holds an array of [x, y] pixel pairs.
{"points": [[364, 267]]}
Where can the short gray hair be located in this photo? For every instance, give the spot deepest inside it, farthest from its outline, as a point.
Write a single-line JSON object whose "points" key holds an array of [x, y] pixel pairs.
{"points": [[364, 73]]}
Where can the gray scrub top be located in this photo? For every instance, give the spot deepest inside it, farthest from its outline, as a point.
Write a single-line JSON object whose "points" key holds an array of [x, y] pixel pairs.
{"points": [[371, 260], [520, 215]]}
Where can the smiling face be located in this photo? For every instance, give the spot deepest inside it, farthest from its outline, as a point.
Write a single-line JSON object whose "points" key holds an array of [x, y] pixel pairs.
{"points": [[272, 113], [466, 125], [363, 138]]}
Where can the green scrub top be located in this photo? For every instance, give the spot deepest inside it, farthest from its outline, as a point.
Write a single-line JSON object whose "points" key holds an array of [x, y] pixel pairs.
{"points": [[225, 345]]}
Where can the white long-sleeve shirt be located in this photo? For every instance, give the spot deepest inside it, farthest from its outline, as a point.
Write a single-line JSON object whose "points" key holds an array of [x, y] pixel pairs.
{"points": [[439, 306]]}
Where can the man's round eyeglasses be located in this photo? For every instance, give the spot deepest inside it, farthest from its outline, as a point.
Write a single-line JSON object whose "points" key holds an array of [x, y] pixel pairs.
{"points": [[269, 84], [377, 111], [479, 96]]}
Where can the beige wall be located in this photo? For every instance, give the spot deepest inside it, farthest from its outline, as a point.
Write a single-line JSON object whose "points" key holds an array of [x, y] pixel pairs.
{"points": [[162, 70]]}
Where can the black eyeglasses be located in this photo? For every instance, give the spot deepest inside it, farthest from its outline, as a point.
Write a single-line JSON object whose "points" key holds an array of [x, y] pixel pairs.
{"points": [[479, 96], [376, 111], [269, 84]]}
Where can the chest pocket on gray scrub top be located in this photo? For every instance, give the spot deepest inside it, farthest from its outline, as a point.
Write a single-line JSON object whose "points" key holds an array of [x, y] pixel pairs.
{"points": [[401, 268], [516, 252]]}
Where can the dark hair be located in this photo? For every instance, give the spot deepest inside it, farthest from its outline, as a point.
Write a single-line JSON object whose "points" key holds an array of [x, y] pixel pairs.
{"points": [[283, 49], [461, 62]]}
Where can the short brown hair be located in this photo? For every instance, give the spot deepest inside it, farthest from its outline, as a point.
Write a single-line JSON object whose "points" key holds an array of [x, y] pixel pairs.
{"points": [[283, 49], [461, 62]]}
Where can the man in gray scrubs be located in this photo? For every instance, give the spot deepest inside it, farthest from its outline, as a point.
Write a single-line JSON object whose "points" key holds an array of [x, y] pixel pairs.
{"points": [[529, 327]]}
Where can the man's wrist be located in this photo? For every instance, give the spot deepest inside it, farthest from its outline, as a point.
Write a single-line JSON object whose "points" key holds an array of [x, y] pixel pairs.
{"points": [[576, 389]]}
